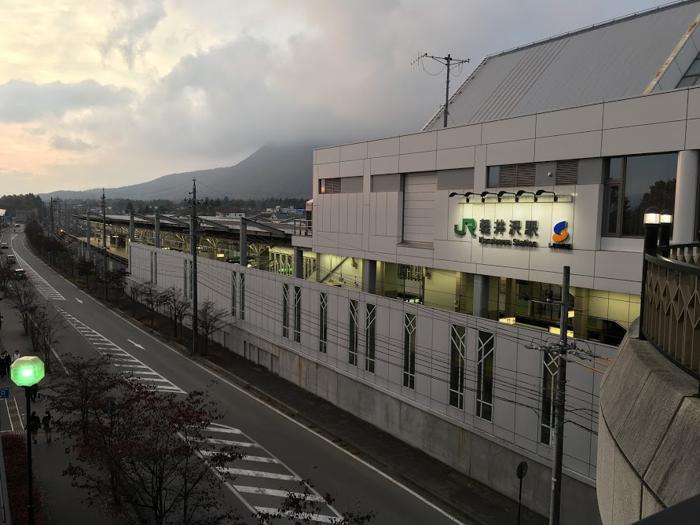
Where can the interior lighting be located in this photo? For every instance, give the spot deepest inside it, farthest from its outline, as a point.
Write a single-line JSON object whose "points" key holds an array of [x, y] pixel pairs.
{"points": [[539, 193]]}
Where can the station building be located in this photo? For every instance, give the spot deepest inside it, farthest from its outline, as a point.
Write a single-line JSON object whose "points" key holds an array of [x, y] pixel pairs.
{"points": [[439, 253]]}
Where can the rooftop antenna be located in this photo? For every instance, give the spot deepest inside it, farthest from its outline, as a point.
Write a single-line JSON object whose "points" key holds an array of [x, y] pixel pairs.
{"points": [[449, 62]]}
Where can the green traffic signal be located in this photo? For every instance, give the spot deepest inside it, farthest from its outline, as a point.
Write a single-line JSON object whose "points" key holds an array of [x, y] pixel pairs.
{"points": [[27, 371]]}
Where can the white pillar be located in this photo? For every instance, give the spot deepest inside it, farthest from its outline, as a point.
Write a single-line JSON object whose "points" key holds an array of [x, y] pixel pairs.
{"points": [[686, 197], [481, 295], [369, 276]]}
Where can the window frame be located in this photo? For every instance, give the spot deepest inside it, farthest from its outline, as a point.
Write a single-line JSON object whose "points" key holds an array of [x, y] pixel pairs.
{"points": [[353, 332], [481, 356], [410, 328], [285, 310], [370, 337], [620, 185], [297, 314], [323, 323], [550, 368], [458, 346]]}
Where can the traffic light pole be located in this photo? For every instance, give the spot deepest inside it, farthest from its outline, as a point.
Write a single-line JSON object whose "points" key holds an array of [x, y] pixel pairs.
{"points": [[30, 484]]}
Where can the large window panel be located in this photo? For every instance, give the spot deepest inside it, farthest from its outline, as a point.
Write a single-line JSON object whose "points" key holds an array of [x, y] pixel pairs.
{"points": [[634, 184]]}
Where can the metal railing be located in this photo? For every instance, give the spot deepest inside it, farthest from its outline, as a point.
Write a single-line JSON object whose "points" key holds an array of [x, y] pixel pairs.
{"points": [[302, 227], [687, 253], [671, 307]]}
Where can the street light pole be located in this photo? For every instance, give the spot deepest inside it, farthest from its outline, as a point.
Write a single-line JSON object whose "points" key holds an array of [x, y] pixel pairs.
{"points": [[30, 481], [26, 372]]}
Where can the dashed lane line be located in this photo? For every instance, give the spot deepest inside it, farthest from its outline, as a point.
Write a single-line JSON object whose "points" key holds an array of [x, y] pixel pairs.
{"points": [[127, 363]]}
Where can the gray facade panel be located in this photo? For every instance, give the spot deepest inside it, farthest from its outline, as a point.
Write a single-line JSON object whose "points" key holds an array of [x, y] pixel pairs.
{"points": [[386, 182], [544, 173], [590, 171], [351, 185], [462, 179]]}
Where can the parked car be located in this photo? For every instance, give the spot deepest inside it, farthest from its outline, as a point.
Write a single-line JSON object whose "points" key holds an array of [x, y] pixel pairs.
{"points": [[11, 259], [20, 274]]}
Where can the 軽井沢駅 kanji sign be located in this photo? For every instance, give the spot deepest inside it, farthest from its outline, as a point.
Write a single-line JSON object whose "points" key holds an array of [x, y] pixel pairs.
{"points": [[513, 232]]}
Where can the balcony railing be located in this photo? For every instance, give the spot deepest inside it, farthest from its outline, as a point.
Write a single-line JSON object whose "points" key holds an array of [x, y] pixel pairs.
{"points": [[302, 227], [671, 306]]}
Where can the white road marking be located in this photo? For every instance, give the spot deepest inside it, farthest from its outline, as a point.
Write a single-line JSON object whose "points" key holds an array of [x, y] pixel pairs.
{"points": [[42, 286], [128, 363], [136, 344], [79, 300], [304, 517], [224, 430], [262, 491], [259, 459], [258, 474], [274, 409]]}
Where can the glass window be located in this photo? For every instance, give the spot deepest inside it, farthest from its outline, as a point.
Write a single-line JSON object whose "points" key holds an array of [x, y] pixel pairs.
{"points": [[634, 184], [692, 76], [457, 360], [297, 314], [242, 301], [492, 177], [323, 323], [409, 350], [484, 376], [233, 294], [370, 336], [352, 342], [285, 310], [549, 373]]}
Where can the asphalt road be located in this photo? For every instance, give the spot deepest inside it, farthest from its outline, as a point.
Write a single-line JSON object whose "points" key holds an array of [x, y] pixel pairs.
{"points": [[279, 451]]}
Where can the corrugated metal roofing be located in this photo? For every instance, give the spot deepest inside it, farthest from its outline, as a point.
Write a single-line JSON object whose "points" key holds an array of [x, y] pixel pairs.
{"points": [[605, 62]]}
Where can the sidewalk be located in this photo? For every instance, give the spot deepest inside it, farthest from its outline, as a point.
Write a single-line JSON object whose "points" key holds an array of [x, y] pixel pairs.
{"points": [[64, 503]]}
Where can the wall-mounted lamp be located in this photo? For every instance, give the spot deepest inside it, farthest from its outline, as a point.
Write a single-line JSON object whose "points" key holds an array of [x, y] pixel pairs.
{"points": [[652, 216], [520, 193], [665, 217], [453, 194], [502, 193], [539, 193], [485, 194], [465, 195]]}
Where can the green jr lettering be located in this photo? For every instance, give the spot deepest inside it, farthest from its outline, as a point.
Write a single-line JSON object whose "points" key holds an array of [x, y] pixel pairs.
{"points": [[467, 224]]}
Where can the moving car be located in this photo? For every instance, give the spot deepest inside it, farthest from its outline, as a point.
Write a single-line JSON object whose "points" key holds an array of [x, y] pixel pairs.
{"points": [[11, 259], [3, 245], [20, 274]]}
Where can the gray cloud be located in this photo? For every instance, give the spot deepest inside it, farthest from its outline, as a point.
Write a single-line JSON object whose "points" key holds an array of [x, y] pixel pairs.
{"points": [[22, 101], [69, 143], [135, 21]]}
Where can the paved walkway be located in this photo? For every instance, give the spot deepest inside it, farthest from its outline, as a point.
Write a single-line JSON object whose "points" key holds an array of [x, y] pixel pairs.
{"points": [[63, 502]]}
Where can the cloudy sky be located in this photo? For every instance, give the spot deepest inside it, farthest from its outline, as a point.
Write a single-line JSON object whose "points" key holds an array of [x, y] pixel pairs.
{"points": [[106, 93]]}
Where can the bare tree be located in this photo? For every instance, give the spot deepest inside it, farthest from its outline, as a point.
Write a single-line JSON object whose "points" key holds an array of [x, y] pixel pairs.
{"points": [[46, 325], [178, 308], [150, 297], [6, 273], [211, 320], [25, 302]]}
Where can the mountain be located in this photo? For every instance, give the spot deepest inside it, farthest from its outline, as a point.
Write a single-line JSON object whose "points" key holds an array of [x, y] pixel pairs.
{"points": [[272, 171]]}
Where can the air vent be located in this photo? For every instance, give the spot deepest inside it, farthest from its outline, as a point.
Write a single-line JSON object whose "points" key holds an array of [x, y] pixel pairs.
{"points": [[526, 174], [507, 175], [567, 172]]}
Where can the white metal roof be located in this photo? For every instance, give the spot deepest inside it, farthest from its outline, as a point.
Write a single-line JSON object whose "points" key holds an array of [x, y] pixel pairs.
{"points": [[612, 60]]}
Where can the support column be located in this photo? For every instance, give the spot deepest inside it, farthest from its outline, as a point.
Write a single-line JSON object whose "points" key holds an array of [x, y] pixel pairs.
{"points": [[481, 295], [132, 227], [89, 248], [684, 213], [369, 276], [299, 263], [156, 228], [243, 242]]}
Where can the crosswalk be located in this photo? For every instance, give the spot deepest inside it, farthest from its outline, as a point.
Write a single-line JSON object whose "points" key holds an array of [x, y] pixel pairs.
{"points": [[41, 285], [120, 358], [262, 482]]}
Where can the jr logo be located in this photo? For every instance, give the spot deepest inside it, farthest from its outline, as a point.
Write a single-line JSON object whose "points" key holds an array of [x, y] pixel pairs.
{"points": [[560, 232], [467, 224]]}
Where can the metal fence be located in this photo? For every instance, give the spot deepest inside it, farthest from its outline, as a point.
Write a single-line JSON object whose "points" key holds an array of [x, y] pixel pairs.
{"points": [[302, 227], [671, 306]]}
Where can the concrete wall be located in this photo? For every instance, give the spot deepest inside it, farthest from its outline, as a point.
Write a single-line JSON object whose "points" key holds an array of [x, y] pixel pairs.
{"points": [[368, 225], [648, 434], [487, 450]]}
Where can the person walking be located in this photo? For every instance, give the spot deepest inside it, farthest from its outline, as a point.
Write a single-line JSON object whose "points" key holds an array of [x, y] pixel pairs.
{"points": [[16, 356], [6, 362], [3, 367], [34, 426], [46, 425]]}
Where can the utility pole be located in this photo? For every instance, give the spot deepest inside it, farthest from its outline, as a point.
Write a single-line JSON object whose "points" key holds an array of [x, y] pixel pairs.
{"points": [[103, 202], [449, 62], [560, 402], [51, 215], [193, 251]]}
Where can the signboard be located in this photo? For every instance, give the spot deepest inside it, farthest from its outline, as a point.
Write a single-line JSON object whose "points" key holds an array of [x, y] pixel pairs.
{"points": [[4, 393], [520, 225]]}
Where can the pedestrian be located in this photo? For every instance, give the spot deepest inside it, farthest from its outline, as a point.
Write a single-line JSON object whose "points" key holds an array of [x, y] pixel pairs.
{"points": [[33, 392], [16, 356], [46, 424], [34, 426], [3, 367], [7, 362]]}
